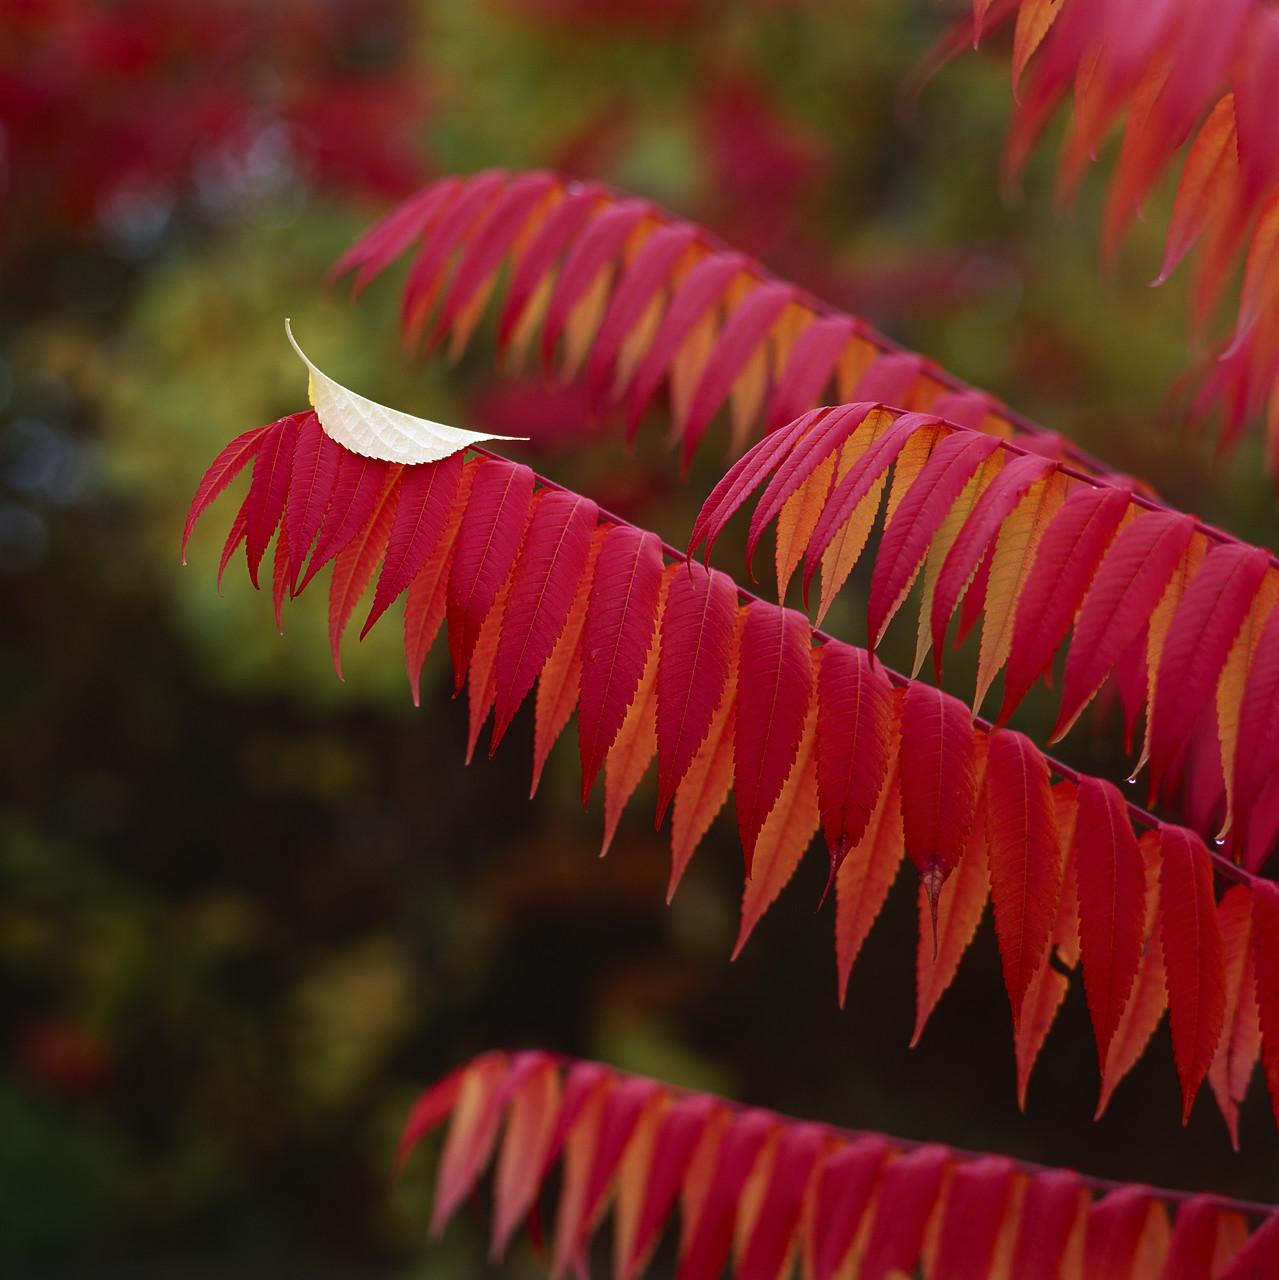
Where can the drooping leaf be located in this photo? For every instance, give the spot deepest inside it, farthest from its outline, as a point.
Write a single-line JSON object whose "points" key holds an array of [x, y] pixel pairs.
{"points": [[976, 1203], [947, 925], [1069, 553], [697, 639], [1112, 896], [315, 472], [1265, 954], [855, 738], [354, 565], [272, 470], [620, 619], [770, 1241], [636, 743], [868, 871], [559, 683], [1240, 1043], [787, 830], [1049, 982], [908, 533], [1148, 999], [1025, 859], [1130, 581], [533, 1090], [774, 682], [222, 470], [845, 1183], [939, 784], [706, 784], [862, 476], [969, 547], [1202, 630], [908, 1197], [709, 1230], [487, 544], [355, 491], [544, 579], [488, 244], [1015, 549], [1194, 956], [424, 506]]}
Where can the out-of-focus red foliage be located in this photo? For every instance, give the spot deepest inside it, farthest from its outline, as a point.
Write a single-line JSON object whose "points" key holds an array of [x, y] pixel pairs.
{"points": [[117, 110], [764, 168], [608, 12], [63, 1057]]}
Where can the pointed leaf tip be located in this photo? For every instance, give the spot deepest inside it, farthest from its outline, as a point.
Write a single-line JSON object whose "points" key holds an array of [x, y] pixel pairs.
{"points": [[373, 430]]}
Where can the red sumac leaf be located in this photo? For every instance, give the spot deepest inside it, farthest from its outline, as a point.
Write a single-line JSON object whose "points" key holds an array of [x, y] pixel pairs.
{"points": [[224, 468], [966, 553], [1112, 904], [777, 1222], [616, 634], [706, 1251], [354, 566], [355, 493], [774, 683], [1064, 567], [745, 328], [845, 1184], [487, 544], [918, 517], [1193, 956], [543, 582], [743, 477], [1129, 583], [1208, 618], [315, 472], [1025, 859], [693, 661], [426, 501], [908, 1190], [1240, 1043], [1265, 950], [272, 468], [699, 291], [939, 783], [976, 1201], [855, 713]]}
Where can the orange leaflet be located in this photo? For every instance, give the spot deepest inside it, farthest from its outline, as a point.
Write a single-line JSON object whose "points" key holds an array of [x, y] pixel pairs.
{"points": [[1240, 1043], [355, 564], [787, 831], [865, 876], [636, 743], [471, 1135], [1014, 554], [424, 601], [706, 784], [534, 1108], [1048, 987], [557, 686], [481, 677], [1148, 997], [1195, 958], [944, 937]]}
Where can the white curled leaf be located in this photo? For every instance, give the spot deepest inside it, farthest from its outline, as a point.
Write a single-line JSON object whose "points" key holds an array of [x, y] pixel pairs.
{"points": [[371, 429]]}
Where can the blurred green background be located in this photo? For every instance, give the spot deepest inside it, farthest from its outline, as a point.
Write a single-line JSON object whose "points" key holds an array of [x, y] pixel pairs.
{"points": [[247, 911]]}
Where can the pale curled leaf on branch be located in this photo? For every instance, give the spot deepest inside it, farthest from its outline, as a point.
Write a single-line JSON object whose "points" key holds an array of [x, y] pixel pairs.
{"points": [[374, 431]]}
